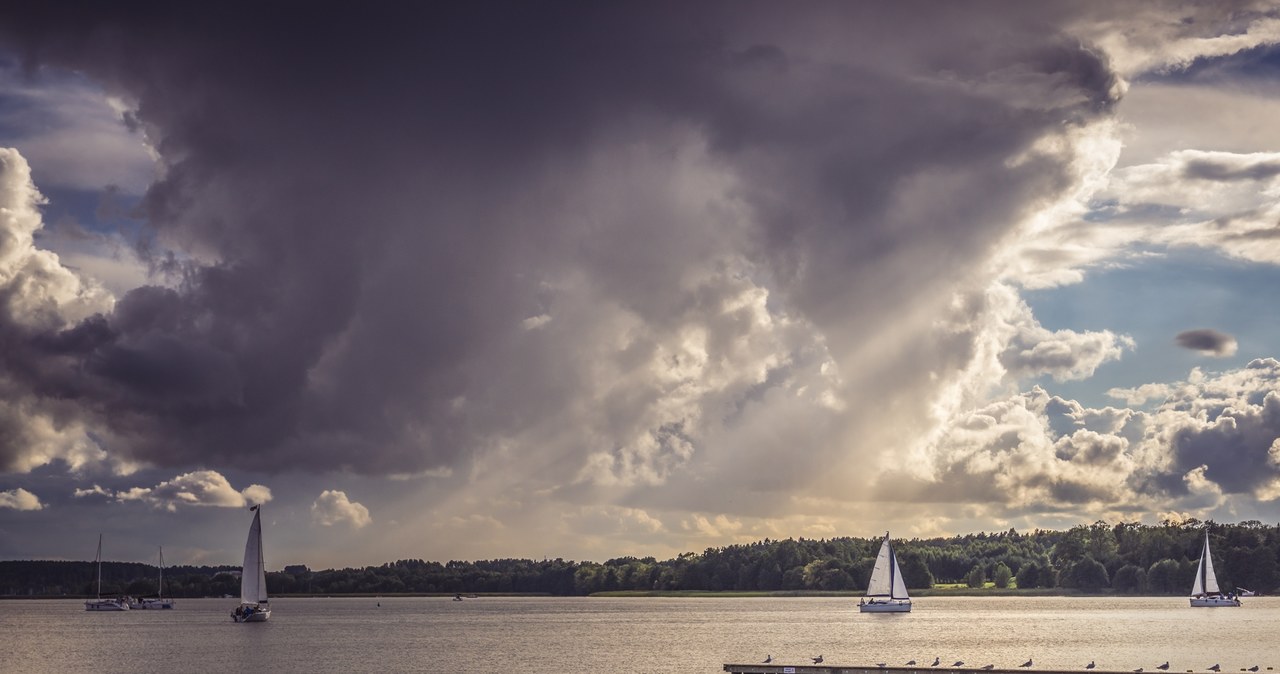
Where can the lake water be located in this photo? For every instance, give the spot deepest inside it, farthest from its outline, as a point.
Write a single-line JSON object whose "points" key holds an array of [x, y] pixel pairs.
{"points": [[635, 635]]}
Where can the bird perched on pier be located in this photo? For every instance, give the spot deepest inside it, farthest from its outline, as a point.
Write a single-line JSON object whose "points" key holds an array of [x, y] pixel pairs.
{"points": [[988, 667], [881, 665], [1026, 664], [910, 663], [958, 663], [767, 659], [1137, 671], [936, 661], [817, 660], [1253, 668], [1090, 665], [1215, 668], [1164, 666]]}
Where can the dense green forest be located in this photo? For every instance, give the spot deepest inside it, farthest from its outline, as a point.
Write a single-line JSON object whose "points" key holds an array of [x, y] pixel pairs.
{"points": [[1121, 558]]}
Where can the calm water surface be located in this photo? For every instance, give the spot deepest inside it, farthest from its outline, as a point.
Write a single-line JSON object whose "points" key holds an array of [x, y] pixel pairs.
{"points": [[647, 635]]}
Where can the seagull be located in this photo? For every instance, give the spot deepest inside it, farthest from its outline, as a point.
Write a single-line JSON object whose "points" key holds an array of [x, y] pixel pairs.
{"points": [[1026, 664], [1253, 668], [910, 663], [767, 659], [988, 667], [958, 663], [1215, 668], [1164, 666], [1137, 671], [937, 660], [1090, 665], [881, 665], [817, 660]]}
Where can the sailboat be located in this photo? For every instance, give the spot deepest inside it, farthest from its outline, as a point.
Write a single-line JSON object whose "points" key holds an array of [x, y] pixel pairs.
{"points": [[254, 606], [886, 591], [1204, 591], [158, 601], [110, 603]]}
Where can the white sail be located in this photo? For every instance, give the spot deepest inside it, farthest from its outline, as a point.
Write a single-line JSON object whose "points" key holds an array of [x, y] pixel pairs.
{"points": [[253, 576], [886, 577], [1206, 581], [899, 586]]}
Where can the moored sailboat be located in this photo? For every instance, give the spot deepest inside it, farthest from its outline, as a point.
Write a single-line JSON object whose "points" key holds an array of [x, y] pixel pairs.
{"points": [[1204, 591], [158, 601], [886, 591], [254, 605], [110, 603]]}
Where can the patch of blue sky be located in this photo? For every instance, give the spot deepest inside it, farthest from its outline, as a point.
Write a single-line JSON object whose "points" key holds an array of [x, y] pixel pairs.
{"points": [[1260, 63], [1152, 299], [71, 132], [106, 211]]}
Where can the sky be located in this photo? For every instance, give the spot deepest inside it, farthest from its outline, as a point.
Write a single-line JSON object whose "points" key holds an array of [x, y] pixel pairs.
{"points": [[582, 280]]}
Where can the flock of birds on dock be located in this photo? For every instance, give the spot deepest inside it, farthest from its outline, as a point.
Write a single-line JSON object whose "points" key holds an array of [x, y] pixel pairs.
{"points": [[1028, 664]]}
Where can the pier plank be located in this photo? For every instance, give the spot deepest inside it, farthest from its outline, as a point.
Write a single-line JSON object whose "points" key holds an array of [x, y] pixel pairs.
{"points": [[778, 668]]}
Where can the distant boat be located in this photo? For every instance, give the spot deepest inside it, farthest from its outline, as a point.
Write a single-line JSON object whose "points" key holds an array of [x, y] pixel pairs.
{"points": [[1242, 592], [254, 605], [158, 601], [886, 591], [1205, 592], [111, 603]]}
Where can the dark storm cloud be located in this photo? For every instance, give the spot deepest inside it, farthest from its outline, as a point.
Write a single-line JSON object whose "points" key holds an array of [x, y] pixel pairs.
{"points": [[1237, 446], [367, 206], [1204, 169], [1207, 341]]}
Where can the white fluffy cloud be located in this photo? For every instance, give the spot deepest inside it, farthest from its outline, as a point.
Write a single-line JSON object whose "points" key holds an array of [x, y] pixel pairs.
{"points": [[333, 507], [38, 290], [20, 499], [198, 488], [1210, 439], [38, 293]]}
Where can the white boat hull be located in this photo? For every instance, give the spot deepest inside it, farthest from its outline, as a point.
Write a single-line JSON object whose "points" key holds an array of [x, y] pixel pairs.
{"points": [[152, 604], [1209, 602], [258, 614], [885, 607], [106, 605]]}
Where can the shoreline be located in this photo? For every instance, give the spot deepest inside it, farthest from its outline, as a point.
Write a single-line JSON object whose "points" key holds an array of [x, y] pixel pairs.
{"points": [[697, 594]]}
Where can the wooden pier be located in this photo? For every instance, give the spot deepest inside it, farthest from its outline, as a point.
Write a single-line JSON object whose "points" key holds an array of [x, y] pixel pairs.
{"points": [[779, 668]]}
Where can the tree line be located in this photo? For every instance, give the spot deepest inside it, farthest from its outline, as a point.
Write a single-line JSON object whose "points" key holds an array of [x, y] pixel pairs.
{"points": [[1127, 558]]}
